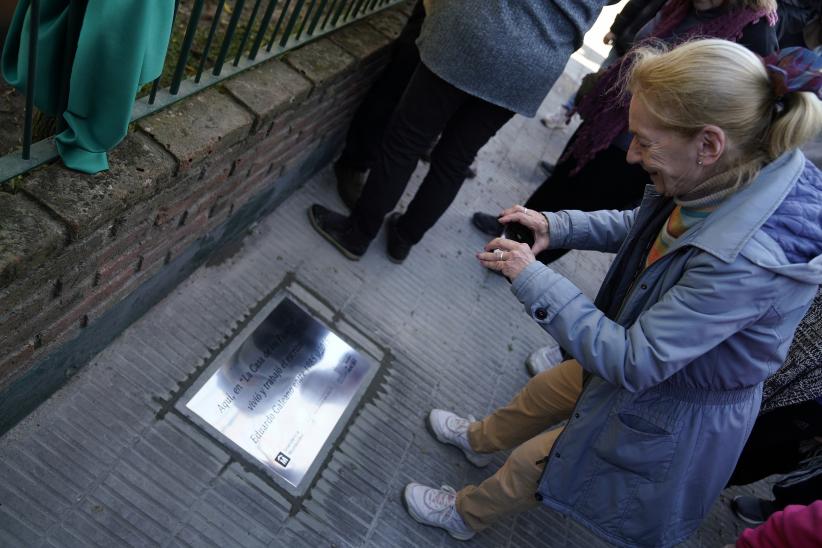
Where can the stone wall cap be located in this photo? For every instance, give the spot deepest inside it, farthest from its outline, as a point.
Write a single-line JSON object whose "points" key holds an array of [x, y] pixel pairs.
{"points": [[321, 61], [85, 202], [269, 89], [194, 129], [389, 22], [361, 40]]}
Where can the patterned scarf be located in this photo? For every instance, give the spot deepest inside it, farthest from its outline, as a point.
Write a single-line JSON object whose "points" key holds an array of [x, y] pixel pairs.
{"points": [[681, 219], [605, 108], [692, 208]]}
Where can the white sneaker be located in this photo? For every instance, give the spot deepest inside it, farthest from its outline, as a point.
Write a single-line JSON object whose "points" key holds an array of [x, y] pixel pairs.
{"points": [[450, 428], [543, 359], [436, 507]]}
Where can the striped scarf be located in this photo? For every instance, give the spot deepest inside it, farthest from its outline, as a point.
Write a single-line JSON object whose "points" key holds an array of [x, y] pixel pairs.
{"points": [[692, 208], [681, 219]]}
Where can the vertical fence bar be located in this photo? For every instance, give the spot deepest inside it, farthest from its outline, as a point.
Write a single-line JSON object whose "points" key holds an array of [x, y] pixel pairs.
{"points": [[298, 8], [247, 32], [278, 25], [317, 16], [332, 4], [269, 12], [34, 31], [188, 39], [340, 9], [360, 4], [307, 15], [329, 13], [229, 34], [351, 5], [214, 24], [155, 86]]}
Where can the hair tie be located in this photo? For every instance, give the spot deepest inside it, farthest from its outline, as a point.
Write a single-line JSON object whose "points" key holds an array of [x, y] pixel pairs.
{"points": [[794, 69]]}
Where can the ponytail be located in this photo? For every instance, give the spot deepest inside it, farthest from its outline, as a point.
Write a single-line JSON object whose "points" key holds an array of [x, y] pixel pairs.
{"points": [[798, 123]]}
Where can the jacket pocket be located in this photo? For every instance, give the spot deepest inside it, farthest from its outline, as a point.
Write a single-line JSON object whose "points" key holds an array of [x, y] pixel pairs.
{"points": [[637, 446]]}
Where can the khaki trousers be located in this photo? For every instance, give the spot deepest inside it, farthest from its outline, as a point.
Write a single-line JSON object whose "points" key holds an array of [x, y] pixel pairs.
{"points": [[547, 399]]}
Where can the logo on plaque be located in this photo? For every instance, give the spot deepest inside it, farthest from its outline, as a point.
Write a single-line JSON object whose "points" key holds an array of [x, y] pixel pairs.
{"points": [[279, 393], [282, 459]]}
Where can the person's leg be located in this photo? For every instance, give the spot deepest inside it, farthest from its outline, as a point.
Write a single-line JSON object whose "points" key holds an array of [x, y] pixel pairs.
{"points": [[367, 128], [471, 127], [773, 446], [511, 489], [422, 113], [605, 182], [801, 487], [545, 400]]}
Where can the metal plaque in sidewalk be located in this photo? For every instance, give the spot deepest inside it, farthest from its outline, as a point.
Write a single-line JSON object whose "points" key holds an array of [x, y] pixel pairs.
{"points": [[282, 392]]}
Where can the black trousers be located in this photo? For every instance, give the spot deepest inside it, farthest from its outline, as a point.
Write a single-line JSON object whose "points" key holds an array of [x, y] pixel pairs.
{"points": [[608, 181], [429, 107], [773, 446], [362, 144]]}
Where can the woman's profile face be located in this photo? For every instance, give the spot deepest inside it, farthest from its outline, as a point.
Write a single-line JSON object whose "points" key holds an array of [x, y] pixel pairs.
{"points": [[669, 157]]}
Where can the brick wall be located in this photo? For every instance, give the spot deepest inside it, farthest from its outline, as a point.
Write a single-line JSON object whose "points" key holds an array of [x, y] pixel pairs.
{"points": [[83, 256]]}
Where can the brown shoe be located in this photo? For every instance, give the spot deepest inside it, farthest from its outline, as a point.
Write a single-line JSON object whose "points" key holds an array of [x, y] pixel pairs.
{"points": [[350, 183]]}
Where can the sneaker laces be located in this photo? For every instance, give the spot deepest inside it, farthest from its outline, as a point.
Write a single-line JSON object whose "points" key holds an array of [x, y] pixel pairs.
{"points": [[457, 424], [442, 498]]}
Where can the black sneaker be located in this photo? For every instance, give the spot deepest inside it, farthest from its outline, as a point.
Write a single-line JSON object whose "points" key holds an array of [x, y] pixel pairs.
{"points": [[752, 510], [471, 172], [398, 248], [339, 230], [487, 224], [546, 167], [350, 183]]}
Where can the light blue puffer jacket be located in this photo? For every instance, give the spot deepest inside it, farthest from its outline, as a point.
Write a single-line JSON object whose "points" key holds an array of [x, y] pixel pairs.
{"points": [[675, 378]]}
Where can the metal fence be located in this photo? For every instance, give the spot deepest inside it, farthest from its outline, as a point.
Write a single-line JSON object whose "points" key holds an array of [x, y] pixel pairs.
{"points": [[241, 34]]}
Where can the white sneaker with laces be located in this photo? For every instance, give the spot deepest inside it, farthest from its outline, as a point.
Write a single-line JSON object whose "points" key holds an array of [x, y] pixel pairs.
{"points": [[436, 507], [450, 428], [556, 120], [543, 359]]}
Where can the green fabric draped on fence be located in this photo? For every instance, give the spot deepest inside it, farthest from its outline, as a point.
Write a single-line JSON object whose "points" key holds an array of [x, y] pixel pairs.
{"points": [[122, 45]]}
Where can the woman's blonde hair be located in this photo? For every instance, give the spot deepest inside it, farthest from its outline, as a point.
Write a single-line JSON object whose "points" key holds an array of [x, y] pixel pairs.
{"points": [[716, 82]]}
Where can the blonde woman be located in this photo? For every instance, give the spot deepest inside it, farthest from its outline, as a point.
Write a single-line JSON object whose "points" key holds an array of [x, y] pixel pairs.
{"points": [[713, 273]]}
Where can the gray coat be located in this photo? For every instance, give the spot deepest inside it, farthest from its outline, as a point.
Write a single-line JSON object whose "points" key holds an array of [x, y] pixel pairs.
{"points": [[507, 52]]}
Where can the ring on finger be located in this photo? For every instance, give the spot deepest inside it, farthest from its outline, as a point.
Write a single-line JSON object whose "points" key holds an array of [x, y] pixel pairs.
{"points": [[499, 254]]}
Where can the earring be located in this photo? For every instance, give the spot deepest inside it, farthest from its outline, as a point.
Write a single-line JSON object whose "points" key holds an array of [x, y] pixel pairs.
{"points": [[699, 160]]}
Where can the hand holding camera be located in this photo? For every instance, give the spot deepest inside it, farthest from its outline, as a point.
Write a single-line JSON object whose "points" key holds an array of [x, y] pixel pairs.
{"points": [[526, 226]]}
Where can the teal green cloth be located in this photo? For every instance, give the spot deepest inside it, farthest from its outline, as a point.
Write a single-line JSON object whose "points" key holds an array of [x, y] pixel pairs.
{"points": [[122, 45]]}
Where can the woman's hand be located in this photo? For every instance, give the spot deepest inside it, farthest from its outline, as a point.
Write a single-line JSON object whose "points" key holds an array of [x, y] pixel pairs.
{"points": [[534, 220], [506, 256]]}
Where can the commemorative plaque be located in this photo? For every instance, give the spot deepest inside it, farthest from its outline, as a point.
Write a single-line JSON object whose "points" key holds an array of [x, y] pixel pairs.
{"points": [[281, 391]]}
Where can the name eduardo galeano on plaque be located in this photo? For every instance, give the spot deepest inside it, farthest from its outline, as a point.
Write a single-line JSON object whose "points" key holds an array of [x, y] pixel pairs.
{"points": [[282, 392]]}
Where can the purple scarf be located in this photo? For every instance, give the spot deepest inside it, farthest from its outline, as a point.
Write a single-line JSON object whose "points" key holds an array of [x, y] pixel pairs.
{"points": [[604, 109]]}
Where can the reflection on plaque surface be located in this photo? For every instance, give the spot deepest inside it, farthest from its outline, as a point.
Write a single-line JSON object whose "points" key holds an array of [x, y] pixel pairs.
{"points": [[282, 392]]}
